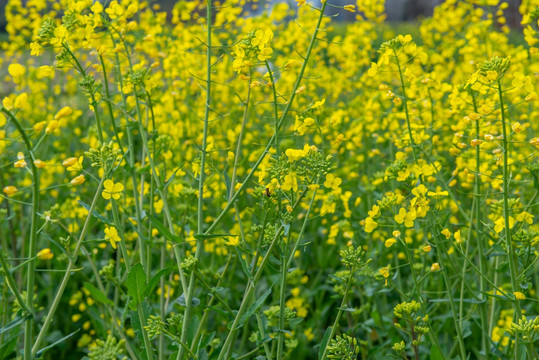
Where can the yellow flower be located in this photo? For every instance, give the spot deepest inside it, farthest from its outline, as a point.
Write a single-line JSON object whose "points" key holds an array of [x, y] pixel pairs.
{"points": [[45, 254], [499, 224], [112, 190], [301, 2], [458, 237], [525, 217], [10, 190], [265, 54], [516, 127], [40, 163], [390, 242], [16, 70], [290, 183], [21, 162], [435, 267], [63, 112], [373, 70], [370, 225], [427, 248], [332, 182], [385, 273], [78, 180], [53, 125], [69, 162], [519, 295], [36, 49], [350, 8], [74, 165], [531, 96], [111, 234], [375, 212], [446, 233], [405, 217]]}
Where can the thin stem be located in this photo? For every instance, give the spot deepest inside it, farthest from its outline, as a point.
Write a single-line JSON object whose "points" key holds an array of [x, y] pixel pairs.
{"points": [[405, 103], [339, 314], [30, 275], [479, 237], [506, 211], [201, 179], [67, 275]]}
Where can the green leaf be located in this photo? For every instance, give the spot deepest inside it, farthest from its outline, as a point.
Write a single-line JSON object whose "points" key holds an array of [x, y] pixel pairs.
{"points": [[254, 307], [435, 354], [210, 236], [324, 343], [136, 285], [97, 294], [96, 214], [155, 279], [42, 351], [17, 321], [163, 229], [244, 265], [8, 346]]}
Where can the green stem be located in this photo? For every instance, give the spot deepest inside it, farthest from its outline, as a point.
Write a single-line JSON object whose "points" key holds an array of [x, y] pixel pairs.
{"points": [[280, 124], [458, 329], [506, 210], [31, 267], [339, 315], [479, 236], [251, 285], [405, 103], [12, 284], [67, 275], [201, 179]]}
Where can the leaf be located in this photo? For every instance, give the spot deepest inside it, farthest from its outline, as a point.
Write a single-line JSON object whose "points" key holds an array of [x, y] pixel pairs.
{"points": [[155, 279], [324, 342], [206, 340], [42, 351], [244, 266], [136, 285], [97, 294], [181, 301], [7, 347], [192, 329], [470, 301], [254, 307], [163, 229], [435, 354], [96, 214], [17, 321], [210, 236]]}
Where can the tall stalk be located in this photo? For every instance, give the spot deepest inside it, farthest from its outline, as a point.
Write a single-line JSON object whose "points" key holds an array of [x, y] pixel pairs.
{"points": [[479, 237], [67, 275], [31, 267], [201, 179], [506, 211]]}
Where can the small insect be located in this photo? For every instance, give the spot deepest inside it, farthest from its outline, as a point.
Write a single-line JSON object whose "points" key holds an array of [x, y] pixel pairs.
{"points": [[267, 192]]}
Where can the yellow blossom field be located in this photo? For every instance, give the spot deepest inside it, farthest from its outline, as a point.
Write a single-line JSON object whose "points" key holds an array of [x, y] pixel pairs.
{"points": [[228, 180]]}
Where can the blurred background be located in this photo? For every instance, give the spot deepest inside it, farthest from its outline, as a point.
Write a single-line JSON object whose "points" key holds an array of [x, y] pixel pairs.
{"points": [[397, 10]]}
